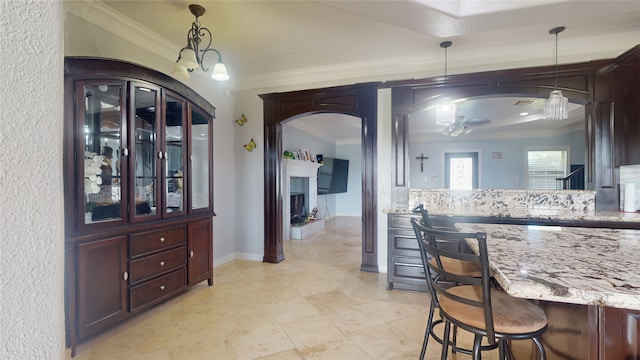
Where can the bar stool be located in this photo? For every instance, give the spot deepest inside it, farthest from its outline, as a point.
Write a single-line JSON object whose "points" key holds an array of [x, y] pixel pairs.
{"points": [[453, 265], [474, 305]]}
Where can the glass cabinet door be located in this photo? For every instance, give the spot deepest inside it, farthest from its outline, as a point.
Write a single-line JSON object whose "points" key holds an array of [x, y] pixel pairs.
{"points": [[200, 174], [174, 155], [146, 117], [100, 109]]}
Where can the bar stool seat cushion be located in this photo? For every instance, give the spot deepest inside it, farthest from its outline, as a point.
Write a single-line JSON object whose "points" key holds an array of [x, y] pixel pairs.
{"points": [[455, 266], [511, 315]]}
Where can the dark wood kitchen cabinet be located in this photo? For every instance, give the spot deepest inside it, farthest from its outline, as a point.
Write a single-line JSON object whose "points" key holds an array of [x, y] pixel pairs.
{"points": [[626, 114], [200, 252], [404, 263], [621, 333], [101, 284], [138, 165]]}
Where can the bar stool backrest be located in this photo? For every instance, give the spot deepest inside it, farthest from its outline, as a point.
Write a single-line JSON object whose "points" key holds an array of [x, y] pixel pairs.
{"points": [[428, 242]]}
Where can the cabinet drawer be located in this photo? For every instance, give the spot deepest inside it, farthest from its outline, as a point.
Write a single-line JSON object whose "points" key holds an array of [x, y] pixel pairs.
{"points": [[147, 242], [149, 266], [408, 271], [401, 221], [158, 289], [403, 242], [406, 267]]}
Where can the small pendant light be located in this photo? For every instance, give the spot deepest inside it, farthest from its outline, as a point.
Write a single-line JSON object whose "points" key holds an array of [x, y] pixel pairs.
{"points": [[556, 107], [446, 110]]}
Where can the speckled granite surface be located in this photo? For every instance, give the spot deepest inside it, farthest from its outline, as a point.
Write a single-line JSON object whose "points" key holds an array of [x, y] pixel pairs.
{"points": [[520, 213], [565, 264], [518, 204], [497, 200]]}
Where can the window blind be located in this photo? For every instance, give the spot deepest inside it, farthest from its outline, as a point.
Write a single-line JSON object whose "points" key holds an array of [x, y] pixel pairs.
{"points": [[544, 166]]}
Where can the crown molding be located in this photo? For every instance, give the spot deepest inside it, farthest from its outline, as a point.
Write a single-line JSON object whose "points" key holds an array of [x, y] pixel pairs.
{"points": [[104, 17]]}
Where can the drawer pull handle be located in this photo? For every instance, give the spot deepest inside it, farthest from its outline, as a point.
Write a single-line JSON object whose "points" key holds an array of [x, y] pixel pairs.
{"points": [[191, 253], [161, 287], [125, 275], [162, 239], [408, 265], [161, 263]]}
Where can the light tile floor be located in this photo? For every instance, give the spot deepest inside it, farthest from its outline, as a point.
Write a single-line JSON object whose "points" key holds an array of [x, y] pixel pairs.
{"points": [[316, 304]]}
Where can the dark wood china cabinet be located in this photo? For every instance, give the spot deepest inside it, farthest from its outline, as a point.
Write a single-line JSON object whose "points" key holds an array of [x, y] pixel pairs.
{"points": [[138, 165]]}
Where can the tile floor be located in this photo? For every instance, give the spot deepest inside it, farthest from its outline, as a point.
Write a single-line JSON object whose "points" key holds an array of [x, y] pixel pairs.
{"points": [[314, 305]]}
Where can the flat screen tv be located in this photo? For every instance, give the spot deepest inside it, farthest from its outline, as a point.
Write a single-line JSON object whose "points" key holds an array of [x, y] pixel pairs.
{"points": [[333, 176]]}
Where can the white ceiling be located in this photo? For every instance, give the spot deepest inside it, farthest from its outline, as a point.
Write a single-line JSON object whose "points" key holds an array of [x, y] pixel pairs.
{"points": [[304, 43]]}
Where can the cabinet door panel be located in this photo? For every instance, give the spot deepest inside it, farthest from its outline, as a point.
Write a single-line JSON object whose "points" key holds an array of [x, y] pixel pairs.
{"points": [[145, 120], [101, 127], [174, 155], [200, 160], [101, 291], [200, 252], [621, 329]]}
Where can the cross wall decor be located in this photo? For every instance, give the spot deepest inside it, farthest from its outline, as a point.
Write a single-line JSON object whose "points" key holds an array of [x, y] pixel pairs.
{"points": [[422, 158]]}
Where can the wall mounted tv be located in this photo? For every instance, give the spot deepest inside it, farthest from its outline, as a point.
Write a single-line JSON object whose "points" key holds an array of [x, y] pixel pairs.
{"points": [[333, 176]]}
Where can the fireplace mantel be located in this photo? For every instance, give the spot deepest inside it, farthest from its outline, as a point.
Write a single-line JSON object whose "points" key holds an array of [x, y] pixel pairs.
{"points": [[298, 168]]}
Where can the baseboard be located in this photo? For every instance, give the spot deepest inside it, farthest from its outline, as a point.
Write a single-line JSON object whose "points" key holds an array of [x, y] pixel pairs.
{"points": [[248, 256], [236, 256]]}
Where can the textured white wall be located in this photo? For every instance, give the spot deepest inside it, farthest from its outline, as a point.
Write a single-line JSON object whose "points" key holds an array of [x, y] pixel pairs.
{"points": [[31, 213]]}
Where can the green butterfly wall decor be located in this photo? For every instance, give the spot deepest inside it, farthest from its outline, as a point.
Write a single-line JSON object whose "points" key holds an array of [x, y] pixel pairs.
{"points": [[241, 121], [250, 146]]}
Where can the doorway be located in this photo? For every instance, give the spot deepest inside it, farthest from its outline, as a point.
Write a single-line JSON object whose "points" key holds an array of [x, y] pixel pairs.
{"points": [[356, 100], [461, 170]]}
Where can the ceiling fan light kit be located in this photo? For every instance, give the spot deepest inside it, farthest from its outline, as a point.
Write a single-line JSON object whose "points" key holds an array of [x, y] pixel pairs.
{"points": [[459, 127], [191, 57], [556, 107]]}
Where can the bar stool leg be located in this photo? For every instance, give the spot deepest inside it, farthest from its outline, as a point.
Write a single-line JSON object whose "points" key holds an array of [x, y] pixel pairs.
{"points": [[541, 352], [477, 342], [445, 340], [427, 332]]}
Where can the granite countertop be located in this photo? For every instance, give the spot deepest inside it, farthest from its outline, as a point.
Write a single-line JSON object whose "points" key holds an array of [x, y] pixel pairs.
{"points": [[524, 213], [564, 264]]}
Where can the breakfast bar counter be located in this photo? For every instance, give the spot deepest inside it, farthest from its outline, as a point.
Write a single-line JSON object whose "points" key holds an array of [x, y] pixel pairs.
{"points": [[586, 279], [564, 264], [540, 215]]}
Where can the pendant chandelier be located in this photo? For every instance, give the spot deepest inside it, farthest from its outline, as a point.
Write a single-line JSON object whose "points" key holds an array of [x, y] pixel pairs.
{"points": [[192, 56], [446, 110], [556, 107]]}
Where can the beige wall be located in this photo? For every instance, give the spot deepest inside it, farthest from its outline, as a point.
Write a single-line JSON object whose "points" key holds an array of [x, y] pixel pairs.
{"points": [[32, 245]]}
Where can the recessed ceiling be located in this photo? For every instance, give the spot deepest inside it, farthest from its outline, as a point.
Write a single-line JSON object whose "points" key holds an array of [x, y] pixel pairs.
{"points": [[487, 118]]}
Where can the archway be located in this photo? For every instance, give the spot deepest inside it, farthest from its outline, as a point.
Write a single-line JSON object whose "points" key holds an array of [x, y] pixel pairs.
{"points": [[356, 100]]}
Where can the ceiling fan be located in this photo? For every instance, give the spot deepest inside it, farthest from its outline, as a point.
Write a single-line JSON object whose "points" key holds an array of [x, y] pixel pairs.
{"points": [[462, 125]]}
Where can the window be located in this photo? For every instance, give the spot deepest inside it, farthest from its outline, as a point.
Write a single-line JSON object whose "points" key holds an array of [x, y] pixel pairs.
{"points": [[544, 166]]}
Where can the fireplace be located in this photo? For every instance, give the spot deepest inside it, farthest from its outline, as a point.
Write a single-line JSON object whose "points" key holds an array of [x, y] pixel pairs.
{"points": [[300, 196], [298, 210]]}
